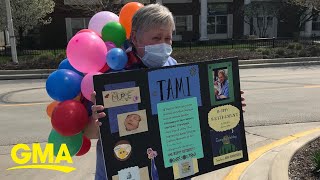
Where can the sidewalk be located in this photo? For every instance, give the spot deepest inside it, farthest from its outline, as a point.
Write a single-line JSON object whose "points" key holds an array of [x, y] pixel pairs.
{"points": [[258, 138]]}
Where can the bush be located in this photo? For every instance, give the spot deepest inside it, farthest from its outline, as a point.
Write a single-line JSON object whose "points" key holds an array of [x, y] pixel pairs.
{"points": [[280, 52], [265, 57], [252, 37], [316, 160], [265, 52], [260, 49], [61, 55], [291, 46], [46, 56], [314, 50], [298, 46], [303, 53]]}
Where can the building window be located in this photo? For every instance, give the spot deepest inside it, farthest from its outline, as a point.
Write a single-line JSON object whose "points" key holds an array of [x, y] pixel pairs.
{"points": [[74, 25], [217, 24], [79, 23], [316, 24], [183, 23], [217, 18]]}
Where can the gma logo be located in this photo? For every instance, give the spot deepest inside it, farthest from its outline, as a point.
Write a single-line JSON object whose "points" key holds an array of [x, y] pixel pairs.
{"points": [[41, 159]]}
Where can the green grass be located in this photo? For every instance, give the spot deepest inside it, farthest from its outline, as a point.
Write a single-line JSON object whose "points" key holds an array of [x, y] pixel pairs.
{"points": [[316, 160], [5, 59]]}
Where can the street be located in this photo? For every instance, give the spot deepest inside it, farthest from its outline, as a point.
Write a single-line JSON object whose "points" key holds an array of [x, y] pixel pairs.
{"points": [[274, 96]]}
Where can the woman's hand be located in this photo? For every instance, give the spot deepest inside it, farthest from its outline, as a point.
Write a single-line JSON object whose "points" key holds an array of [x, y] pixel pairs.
{"points": [[92, 130], [242, 101]]}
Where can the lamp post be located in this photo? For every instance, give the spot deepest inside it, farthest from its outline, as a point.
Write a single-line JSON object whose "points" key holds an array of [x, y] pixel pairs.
{"points": [[11, 33]]}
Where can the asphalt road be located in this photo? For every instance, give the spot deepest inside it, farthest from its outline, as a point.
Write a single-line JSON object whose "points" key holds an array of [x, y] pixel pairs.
{"points": [[273, 96]]}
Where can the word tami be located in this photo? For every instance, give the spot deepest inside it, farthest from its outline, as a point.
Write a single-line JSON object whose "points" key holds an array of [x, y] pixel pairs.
{"points": [[174, 88]]}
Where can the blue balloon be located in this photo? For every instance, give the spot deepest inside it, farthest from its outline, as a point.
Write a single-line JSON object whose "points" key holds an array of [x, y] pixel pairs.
{"points": [[65, 64], [63, 84], [117, 59]]}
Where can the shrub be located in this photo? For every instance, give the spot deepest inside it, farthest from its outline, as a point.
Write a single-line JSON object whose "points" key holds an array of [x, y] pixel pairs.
{"points": [[298, 46], [61, 56], [291, 46], [303, 53], [265, 52], [265, 57], [280, 52], [252, 37], [314, 50], [46, 56], [316, 160], [260, 49]]}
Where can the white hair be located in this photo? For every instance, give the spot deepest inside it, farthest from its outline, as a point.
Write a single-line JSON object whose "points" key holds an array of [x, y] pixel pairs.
{"points": [[152, 16]]}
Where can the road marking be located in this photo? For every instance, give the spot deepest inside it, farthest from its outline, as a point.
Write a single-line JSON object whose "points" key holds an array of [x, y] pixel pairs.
{"points": [[312, 86], [284, 88], [237, 170], [284, 73], [26, 104]]}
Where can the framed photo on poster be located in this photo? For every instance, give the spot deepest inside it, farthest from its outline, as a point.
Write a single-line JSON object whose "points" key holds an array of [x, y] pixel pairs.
{"points": [[173, 122]]}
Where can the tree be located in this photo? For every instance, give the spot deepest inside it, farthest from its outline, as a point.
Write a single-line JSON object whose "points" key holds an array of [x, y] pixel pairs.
{"points": [[258, 10], [299, 12], [27, 14], [313, 4], [91, 7]]}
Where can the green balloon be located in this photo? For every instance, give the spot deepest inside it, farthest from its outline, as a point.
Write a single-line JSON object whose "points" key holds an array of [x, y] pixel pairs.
{"points": [[73, 142], [114, 32]]}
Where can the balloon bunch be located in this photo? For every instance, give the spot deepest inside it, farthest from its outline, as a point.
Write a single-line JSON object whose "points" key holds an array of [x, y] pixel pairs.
{"points": [[90, 52]]}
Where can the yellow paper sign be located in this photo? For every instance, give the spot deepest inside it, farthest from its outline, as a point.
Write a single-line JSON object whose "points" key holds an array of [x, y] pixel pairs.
{"points": [[185, 168], [228, 157], [224, 118], [121, 97]]}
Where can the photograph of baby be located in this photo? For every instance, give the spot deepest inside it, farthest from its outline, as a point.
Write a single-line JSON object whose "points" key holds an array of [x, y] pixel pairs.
{"points": [[132, 123], [221, 84]]}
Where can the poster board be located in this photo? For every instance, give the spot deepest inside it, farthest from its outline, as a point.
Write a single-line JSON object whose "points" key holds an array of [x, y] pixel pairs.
{"points": [[190, 114]]}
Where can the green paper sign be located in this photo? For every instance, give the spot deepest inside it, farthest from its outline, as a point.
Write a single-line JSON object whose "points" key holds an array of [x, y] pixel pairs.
{"points": [[180, 130]]}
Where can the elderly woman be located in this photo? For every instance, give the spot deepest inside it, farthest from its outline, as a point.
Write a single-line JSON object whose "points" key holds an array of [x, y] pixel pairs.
{"points": [[223, 83], [151, 39]]}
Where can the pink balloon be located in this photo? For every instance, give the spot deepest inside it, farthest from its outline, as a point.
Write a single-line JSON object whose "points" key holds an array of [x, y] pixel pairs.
{"points": [[99, 20], [110, 45], [87, 85], [87, 52], [88, 30]]}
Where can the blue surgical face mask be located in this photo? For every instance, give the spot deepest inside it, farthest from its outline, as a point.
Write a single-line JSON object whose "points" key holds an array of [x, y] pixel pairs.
{"points": [[156, 55]]}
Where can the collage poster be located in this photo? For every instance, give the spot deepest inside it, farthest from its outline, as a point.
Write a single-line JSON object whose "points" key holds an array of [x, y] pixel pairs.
{"points": [[174, 122]]}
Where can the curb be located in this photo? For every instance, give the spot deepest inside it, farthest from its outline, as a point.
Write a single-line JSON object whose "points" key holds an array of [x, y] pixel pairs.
{"points": [[24, 76], [280, 166], [278, 60], [287, 64], [243, 64], [32, 71]]}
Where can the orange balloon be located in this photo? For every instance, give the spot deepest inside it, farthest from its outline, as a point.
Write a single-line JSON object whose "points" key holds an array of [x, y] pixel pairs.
{"points": [[126, 15], [78, 98], [51, 106]]}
